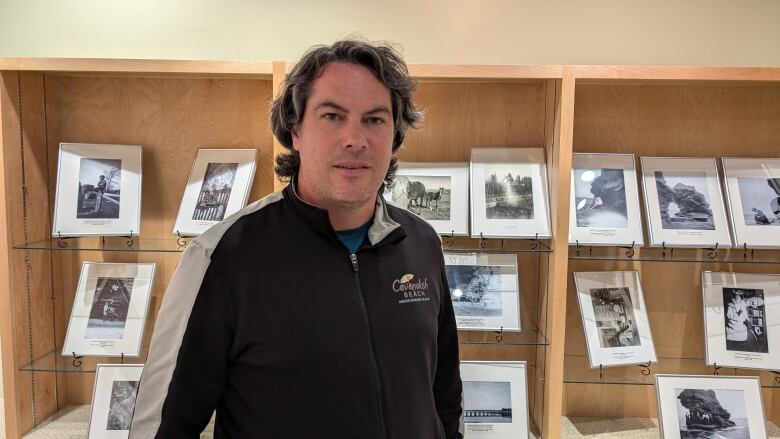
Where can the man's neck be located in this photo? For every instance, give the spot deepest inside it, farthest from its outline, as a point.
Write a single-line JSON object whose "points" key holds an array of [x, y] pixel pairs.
{"points": [[348, 219]]}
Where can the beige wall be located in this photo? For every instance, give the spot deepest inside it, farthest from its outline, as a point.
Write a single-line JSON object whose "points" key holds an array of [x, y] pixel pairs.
{"points": [[661, 32]]}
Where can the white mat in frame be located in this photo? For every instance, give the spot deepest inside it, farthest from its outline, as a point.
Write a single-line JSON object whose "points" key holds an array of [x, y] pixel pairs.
{"points": [[753, 189], [719, 406], [509, 193], [109, 309], [604, 200], [495, 399], [98, 190], [484, 290], [113, 400], [436, 192], [614, 318], [742, 319], [218, 186], [684, 203]]}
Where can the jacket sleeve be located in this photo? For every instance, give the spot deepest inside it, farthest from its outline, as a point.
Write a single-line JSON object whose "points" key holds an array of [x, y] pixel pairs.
{"points": [[447, 386], [184, 376]]}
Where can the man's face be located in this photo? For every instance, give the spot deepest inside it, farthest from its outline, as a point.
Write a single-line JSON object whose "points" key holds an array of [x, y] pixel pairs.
{"points": [[345, 138]]}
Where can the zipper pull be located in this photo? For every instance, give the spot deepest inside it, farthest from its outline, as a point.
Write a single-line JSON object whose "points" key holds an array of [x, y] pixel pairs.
{"points": [[353, 259]]}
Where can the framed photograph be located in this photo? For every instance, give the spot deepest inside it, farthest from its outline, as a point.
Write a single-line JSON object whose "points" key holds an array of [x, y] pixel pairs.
{"points": [[683, 202], [495, 399], [113, 400], [753, 188], [484, 290], [614, 318], [98, 190], [709, 406], [218, 186], [436, 192], [109, 309], [604, 200], [741, 315], [509, 193]]}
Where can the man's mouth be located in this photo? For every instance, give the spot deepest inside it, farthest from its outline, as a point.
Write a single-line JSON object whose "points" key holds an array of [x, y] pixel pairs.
{"points": [[352, 166]]}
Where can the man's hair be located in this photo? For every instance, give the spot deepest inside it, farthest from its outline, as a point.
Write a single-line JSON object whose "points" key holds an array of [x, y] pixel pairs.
{"points": [[380, 58]]}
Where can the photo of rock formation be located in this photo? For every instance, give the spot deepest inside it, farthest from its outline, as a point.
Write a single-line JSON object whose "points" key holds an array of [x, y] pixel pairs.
{"points": [[683, 201], [600, 198], [704, 413]]}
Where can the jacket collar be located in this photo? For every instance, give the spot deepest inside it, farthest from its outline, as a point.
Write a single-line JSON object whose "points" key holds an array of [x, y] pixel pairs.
{"points": [[382, 227]]}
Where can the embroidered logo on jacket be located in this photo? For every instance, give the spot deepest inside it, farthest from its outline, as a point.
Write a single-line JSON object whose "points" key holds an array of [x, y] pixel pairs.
{"points": [[411, 290]]}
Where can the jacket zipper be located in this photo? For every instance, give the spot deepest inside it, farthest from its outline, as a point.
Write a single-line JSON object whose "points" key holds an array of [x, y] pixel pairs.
{"points": [[377, 381]]}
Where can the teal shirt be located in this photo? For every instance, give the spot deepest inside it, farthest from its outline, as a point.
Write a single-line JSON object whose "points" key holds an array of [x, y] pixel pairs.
{"points": [[354, 237]]}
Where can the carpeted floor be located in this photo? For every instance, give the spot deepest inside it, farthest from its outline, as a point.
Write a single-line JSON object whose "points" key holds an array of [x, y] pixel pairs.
{"points": [[71, 423]]}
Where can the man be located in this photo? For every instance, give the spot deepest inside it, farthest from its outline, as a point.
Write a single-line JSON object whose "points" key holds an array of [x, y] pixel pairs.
{"points": [[319, 311], [736, 322]]}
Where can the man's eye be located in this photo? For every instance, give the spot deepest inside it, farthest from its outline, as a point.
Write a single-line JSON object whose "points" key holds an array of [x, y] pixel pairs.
{"points": [[375, 120], [330, 116]]}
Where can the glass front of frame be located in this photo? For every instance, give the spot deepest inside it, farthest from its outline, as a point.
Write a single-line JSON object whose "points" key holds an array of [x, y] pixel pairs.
{"points": [[509, 196], [98, 190], [113, 400], [696, 406], [753, 188], [683, 203], [109, 309], [484, 290], [741, 317], [495, 399], [436, 192], [614, 318], [604, 201], [218, 186]]}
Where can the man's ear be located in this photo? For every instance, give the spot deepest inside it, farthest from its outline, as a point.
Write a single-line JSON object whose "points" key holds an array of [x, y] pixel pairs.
{"points": [[296, 138]]}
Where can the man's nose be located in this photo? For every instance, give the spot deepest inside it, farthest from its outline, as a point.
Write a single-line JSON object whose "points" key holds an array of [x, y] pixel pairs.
{"points": [[354, 135]]}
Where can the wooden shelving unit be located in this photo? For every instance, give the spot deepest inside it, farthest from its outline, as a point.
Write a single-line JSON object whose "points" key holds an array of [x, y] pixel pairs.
{"points": [[173, 108]]}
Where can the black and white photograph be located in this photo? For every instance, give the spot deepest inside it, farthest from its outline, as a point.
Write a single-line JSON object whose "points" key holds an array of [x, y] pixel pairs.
{"points": [[427, 196], [484, 289], [487, 402], [495, 399], [436, 192], [109, 308], [600, 198], [113, 400], [745, 320], [215, 192], [218, 186], [475, 290], [683, 202], [99, 188], [122, 405], [109, 311], [604, 207], [707, 413], [740, 315], [508, 193], [760, 200], [615, 320], [753, 188], [710, 407]]}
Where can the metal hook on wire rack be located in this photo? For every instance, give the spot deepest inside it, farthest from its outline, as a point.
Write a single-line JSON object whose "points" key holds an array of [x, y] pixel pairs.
{"points": [[499, 334], [578, 249], [644, 369], [535, 242], [180, 241], [482, 241], [712, 253], [61, 240], [450, 240], [630, 250], [77, 360]]}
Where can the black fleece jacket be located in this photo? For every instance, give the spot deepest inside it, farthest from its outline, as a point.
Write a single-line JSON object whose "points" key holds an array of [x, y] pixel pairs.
{"points": [[288, 335]]}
